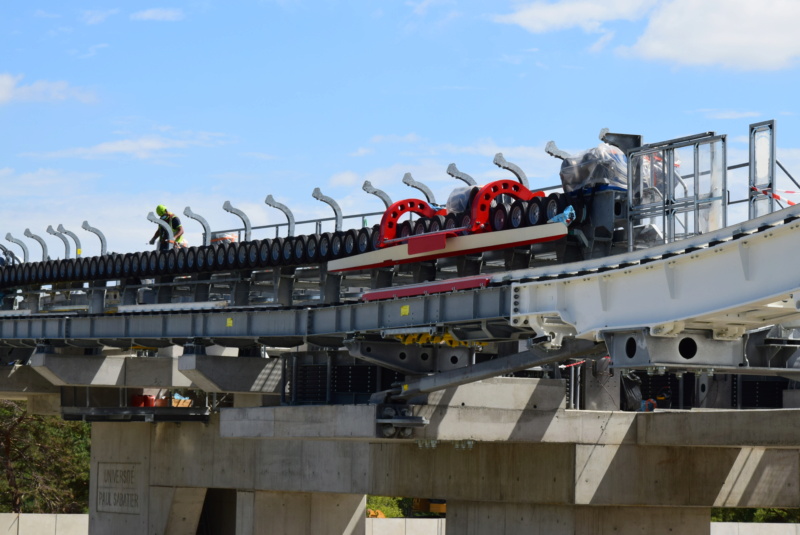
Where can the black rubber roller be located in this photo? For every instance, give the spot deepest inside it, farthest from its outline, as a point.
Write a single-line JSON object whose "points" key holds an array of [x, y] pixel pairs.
{"points": [[276, 252], [26, 272], [152, 262], [364, 241], [299, 253], [535, 213], [517, 217], [102, 267], [337, 245], [211, 257], [349, 242], [421, 226], [39, 278], [69, 271], [243, 255], [324, 246], [264, 256], [232, 255], [251, 259], [180, 260], [312, 248], [287, 252], [200, 258]]}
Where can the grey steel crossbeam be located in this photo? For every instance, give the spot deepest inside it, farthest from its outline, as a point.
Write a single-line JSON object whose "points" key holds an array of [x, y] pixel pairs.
{"points": [[477, 314]]}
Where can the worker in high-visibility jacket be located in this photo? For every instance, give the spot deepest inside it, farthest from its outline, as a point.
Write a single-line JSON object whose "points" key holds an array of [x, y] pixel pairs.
{"points": [[164, 243]]}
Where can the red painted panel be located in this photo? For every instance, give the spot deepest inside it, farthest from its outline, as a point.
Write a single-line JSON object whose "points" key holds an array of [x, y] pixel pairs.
{"points": [[425, 243], [452, 285]]}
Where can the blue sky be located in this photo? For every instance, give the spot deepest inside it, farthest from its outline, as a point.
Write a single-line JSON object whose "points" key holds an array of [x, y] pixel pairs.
{"points": [[109, 108]]}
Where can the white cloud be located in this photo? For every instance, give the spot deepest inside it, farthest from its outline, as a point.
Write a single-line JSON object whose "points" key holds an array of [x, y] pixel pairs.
{"points": [[421, 7], [159, 14], [143, 148], [259, 155], [589, 15], [39, 91], [43, 182], [61, 30], [96, 16], [737, 34], [362, 151], [42, 14], [728, 114], [512, 59], [91, 52], [601, 43]]}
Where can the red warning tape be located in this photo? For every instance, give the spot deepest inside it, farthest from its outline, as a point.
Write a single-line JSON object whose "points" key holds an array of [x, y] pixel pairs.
{"points": [[773, 195]]}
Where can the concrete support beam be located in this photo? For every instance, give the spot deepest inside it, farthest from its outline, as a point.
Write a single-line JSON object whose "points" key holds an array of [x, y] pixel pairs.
{"points": [[477, 518], [98, 370], [17, 381], [502, 409], [44, 404], [718, 477], [720, 428], [531, 473], [330, 422], [195, 455], [226, 374]]}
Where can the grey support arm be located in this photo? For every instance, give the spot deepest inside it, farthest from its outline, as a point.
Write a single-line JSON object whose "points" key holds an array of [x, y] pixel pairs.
{"points": [[12, 239], [501, 162], [206, 228], [337, 212], [161, 223], [378, 193], [246, 220], [453, 171], [33, 236], [99, 234], [60, 235], [270, 201], [408, 180], [78, 250]]}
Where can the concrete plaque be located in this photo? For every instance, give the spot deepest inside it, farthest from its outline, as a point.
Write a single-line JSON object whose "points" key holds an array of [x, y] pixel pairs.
{"points": [[118, 487]]}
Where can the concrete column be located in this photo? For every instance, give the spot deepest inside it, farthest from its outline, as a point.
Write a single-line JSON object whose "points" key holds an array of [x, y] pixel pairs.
{"points": [[304, 513], [484, 518], [245, 508], [119, 496]]}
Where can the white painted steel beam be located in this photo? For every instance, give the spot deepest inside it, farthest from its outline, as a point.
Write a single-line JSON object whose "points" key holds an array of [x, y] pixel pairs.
{"points": [[743, 278]]}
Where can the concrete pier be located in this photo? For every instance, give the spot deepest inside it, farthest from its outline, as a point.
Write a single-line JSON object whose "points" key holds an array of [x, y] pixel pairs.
{"points": [[531, 467]]}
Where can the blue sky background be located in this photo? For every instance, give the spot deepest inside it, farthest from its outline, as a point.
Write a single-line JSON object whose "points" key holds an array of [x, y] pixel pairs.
{"points": [[109, 108]]}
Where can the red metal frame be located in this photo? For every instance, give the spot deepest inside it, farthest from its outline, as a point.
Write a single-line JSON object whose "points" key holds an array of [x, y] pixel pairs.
{"points": [[482, 202], [479, 210], [398, 210]]}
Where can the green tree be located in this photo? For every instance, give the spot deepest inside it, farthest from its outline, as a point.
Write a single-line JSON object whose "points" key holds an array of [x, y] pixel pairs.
{"points": [[44, 462], [772, 516], [389, 506]]}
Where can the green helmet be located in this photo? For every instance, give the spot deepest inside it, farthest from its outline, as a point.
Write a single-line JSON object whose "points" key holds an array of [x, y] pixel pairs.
{"points": [[161, 210]]}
